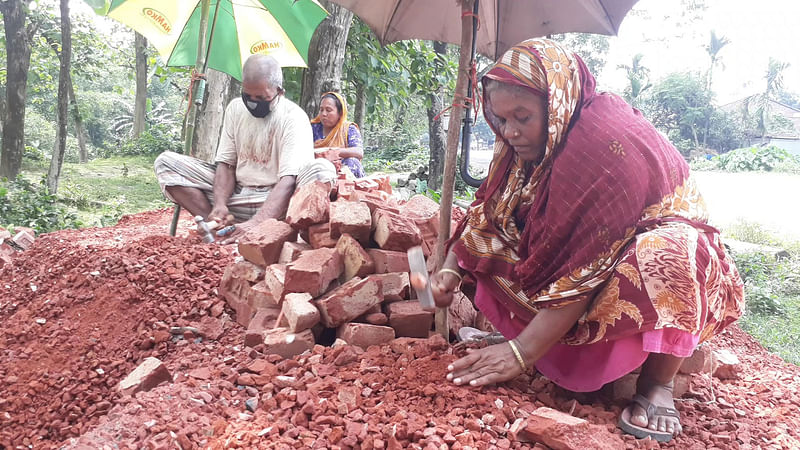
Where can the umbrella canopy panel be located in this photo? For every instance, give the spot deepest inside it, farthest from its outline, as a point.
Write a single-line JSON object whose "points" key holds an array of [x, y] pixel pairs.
{"points": [[279, 28], [503, 23]]}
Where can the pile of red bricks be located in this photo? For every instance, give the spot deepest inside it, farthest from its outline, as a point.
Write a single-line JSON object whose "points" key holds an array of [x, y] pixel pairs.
{"points": [[338, 262], [9, 245]]}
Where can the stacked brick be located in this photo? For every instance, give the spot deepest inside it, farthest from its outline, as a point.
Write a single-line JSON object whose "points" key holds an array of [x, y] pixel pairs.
{"points": [[336, 268]]}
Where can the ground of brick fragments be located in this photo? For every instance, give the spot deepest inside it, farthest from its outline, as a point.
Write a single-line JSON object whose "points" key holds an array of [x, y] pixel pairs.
{"points": [[81, 309]]}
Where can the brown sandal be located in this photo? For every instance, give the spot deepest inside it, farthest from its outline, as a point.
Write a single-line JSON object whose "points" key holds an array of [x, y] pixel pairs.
{"points": [[652, 411]]}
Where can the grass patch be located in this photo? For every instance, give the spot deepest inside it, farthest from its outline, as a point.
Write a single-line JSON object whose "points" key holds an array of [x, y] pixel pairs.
{"points": [[772, 290], [104, 189], [777, 332]]}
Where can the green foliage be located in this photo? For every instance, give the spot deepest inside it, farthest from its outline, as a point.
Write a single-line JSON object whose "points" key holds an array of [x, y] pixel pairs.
{"points": [[592, 48], [772, 290], [23, 203], [153, 141], [680, 105], [395, 159], [756, 233], [754, 159], [40, 136], [758, 272], [395, 81], [100, 192], [638, 80]]}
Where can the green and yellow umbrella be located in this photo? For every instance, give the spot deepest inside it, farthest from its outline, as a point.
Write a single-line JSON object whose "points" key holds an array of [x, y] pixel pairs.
{"points": [[236, 29]]}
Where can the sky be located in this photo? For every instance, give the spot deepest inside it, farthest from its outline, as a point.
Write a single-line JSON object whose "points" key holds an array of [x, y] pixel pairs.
{"points": [[670, 43]]}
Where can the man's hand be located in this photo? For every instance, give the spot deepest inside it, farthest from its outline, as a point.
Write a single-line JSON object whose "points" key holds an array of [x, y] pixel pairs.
{"points": [[239, 231], [220, 215], [489, 365], [443, 286]]}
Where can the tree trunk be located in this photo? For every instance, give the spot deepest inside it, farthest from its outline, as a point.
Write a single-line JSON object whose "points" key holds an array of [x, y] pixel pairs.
{"points": [[18, 59], [2, 108], [140, 103], [222, 88], [63, 100], [326, 57], [80, 131], [436, 131], [360, 108]]}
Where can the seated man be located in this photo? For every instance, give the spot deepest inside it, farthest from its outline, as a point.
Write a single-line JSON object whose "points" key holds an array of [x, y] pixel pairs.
{"points": [[265, 150], [335, 138]]}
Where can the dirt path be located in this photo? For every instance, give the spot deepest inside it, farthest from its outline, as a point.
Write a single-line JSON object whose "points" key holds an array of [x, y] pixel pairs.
{"points": [[108, 296]]}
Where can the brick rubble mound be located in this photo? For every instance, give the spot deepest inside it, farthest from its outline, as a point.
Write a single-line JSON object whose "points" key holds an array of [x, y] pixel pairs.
{"points": [[109, 298]]}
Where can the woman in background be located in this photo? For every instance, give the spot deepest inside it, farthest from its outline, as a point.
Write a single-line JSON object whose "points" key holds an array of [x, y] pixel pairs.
{"points": [[336, 139]]}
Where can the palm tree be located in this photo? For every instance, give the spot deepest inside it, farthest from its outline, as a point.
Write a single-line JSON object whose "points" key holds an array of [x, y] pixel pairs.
{"points": [[638, 79], [774, 77], [715, 44]]}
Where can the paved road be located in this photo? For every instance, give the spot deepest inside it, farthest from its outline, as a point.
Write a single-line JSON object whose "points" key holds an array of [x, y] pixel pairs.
{"points": [[771, 199]]}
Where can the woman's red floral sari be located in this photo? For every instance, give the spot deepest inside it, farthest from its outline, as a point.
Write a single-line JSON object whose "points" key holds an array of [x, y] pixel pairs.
{"points": [[610, 214]]}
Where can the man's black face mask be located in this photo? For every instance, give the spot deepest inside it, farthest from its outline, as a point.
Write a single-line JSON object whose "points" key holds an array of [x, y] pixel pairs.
{"points": [[258, 108]]}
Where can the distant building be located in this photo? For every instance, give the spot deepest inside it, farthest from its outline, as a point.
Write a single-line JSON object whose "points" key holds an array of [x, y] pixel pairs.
{"points": [[783, 130]]}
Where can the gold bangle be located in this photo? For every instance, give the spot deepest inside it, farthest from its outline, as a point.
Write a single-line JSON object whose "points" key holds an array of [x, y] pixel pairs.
{"points": [[454, 272], [518, 355]]}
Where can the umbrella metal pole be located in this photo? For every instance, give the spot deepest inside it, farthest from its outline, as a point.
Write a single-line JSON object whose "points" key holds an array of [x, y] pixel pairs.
{"points": [[451, 153], [466, 131], [199, 87]]}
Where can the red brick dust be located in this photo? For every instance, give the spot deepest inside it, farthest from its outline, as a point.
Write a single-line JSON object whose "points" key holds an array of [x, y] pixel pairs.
{"points": [[108, 303], [80, 309]]}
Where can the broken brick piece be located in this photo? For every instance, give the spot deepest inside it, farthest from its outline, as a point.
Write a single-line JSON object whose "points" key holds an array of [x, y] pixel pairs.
{"points": [[291, 250], [388, 261], [357, 262], [699, 362], [262, 245], [349, 301], [461, 313], [726, 364], [264, 319], [313, 271], [345, 190], [557, 429], [395, 286], [376, 200], [363, 334], [283, 342], [366, 184], [235, 287], [409, 319], [395, 232], [309, 205], [420, 207], [147, 375], [299, 312], [24, 238], [319, 236], [353, 218], [274, 278], [261, 296], [377, 318]]}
